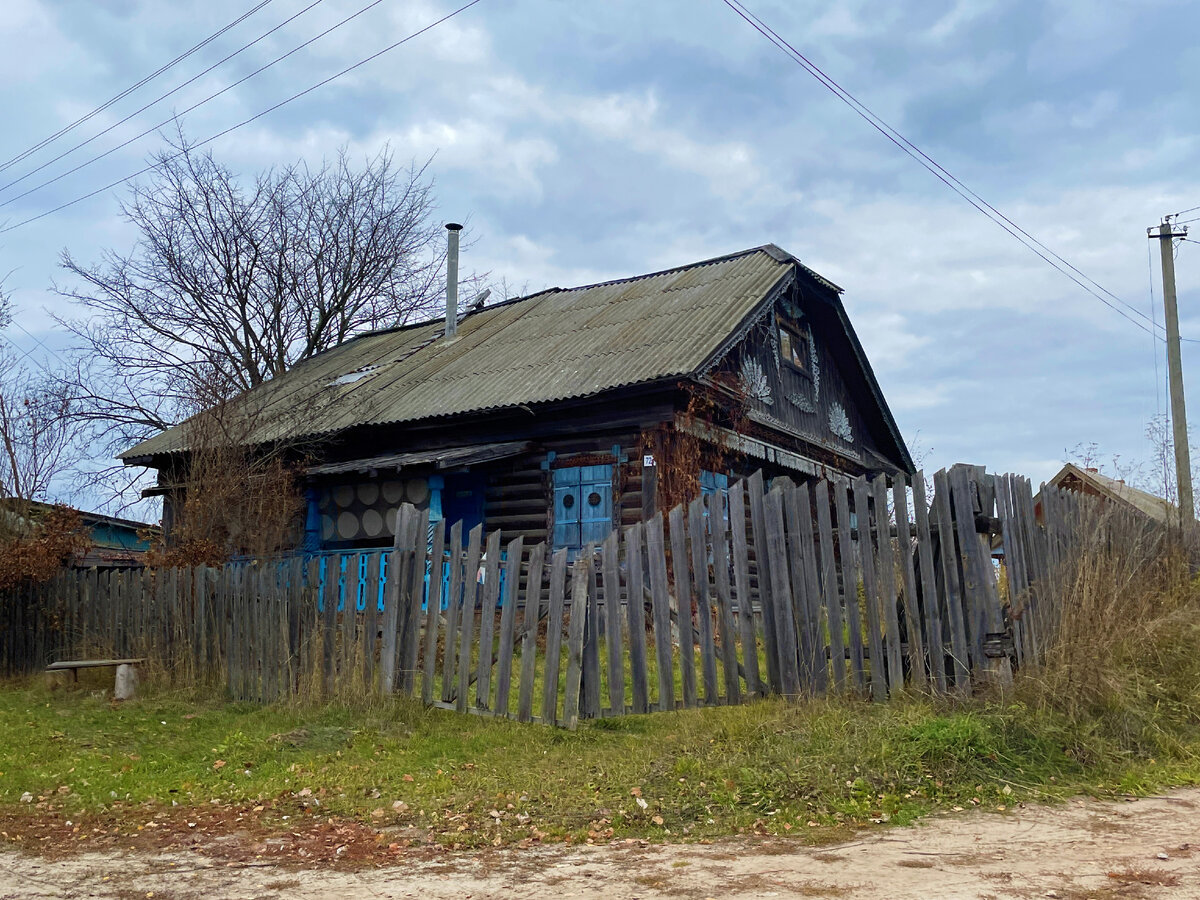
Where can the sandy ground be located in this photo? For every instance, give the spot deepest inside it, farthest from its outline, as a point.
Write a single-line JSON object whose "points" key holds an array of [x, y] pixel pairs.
{"points": [[1141, 849]]}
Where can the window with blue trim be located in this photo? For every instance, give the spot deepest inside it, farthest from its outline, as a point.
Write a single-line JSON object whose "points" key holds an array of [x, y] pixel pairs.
{"points": [[583, 505]]}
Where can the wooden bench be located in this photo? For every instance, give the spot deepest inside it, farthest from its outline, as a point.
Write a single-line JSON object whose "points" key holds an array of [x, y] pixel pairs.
{"points": [[74, 665]]}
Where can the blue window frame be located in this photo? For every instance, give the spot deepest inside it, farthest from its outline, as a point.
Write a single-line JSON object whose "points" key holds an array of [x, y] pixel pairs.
{"points": [[583, 505]]}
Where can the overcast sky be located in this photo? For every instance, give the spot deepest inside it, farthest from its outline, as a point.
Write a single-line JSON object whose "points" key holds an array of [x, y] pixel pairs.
{"points": [[587, 141]]}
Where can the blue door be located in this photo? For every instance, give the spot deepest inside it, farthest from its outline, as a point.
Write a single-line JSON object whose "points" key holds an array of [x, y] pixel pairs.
{"points": [[583, 505]]}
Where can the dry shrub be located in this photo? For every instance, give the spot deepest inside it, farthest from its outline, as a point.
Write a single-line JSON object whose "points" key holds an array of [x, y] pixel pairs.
{"points": [[1121, 623], [35, 542], [230, 498]]}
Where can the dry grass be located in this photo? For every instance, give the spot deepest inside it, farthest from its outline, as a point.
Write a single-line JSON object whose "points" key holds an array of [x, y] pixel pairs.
{"points": [[1123, 616]]}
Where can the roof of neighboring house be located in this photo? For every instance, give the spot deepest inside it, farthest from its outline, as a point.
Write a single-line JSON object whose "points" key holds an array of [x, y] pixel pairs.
{"points": [[558, 344], [1115, 489]]}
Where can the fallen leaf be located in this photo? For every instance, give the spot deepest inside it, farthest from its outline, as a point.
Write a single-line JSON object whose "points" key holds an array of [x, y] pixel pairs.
{"points": [[408, 778], [218, 765], [657, 820]]}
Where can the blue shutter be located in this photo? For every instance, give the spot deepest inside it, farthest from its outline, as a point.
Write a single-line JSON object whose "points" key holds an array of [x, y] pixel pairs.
{"points": [[583, 505]]}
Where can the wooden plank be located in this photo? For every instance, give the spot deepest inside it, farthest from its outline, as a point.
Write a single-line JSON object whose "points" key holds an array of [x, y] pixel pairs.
{"points": [[529, 628], [656, 557], [579, 601], [812, 591], [932, 603], [699, 586], [888, 594], [466, 635], [589, 707], [968, 548], [371, 618], [787, 663], [720, 552], [952, 586], [741, 581], [866, 555], [414, 583], [433, 610], [914, 627], [508, 621], [487, 622], [329, 622], [611, 565], [454, 607], [391, 601], [636, 609], [554, 635], [350, 618], [762, 558], [829, 585], [685, 600]]}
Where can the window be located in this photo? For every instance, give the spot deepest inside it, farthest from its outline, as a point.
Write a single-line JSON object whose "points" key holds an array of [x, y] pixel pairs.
{"points": [[583, 505], [793, 347]]}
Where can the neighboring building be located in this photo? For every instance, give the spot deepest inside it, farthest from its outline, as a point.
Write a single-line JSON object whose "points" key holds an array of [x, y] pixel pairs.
{"points": [[1089, 481], [115, 543], [563, 414]]}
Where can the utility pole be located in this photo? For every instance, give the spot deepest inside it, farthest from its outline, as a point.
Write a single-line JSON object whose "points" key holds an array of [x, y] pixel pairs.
{"points": [[1183, 461]]}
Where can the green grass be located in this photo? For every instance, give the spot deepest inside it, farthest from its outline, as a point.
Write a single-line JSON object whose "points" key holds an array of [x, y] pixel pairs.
{"points": [[767, 766]]}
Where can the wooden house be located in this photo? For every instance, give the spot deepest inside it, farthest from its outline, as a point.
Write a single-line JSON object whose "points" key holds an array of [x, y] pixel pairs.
{"points": [[1089, 481], [566, 413]]}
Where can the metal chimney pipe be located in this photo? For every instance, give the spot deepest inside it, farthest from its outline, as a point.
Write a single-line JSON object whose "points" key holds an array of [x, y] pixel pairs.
{"points": [[452, 230]]}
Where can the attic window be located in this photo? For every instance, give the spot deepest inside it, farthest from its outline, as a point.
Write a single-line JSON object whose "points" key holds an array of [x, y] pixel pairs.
{"points": [[793, 347], [356, 375]]}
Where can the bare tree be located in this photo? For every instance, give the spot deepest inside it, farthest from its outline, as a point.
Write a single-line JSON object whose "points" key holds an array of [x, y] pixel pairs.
{"points": [[232, 283], [36, 435]]}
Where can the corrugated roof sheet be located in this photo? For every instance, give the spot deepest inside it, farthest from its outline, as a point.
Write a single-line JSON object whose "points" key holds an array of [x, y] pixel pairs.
{"points": [[555, 345]]}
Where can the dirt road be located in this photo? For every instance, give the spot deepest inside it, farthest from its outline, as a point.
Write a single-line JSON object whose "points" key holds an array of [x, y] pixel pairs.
{"points": [[1147, 848]]}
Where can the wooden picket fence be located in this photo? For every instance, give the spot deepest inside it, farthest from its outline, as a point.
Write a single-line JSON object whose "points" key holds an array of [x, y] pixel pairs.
{"points": [[834, 585]]}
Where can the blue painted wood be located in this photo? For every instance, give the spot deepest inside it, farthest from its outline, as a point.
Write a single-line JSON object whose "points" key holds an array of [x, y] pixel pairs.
{"points": [[583, 505]]}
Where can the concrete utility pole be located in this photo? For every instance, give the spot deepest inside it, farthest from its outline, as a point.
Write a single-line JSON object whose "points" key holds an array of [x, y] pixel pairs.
{"points": [[1183, 460]]}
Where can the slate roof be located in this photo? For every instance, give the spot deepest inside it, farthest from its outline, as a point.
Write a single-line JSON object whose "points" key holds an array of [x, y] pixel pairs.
{"points": [[555, 345], [1153, 506]]}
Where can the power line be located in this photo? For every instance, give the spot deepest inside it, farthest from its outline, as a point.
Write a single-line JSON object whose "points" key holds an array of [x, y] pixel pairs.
{"points": [[1188, 210], [938, 171], [133, 87], [252, 118], [191, 108]]}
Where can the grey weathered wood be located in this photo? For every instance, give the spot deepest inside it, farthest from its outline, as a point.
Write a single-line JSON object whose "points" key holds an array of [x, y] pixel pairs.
{"points": [[932, 603], [887, 585], [952, 586], [414, 584], [912, 614], [656, 557], [636, 608], [487, 622], [685, 599], [720, 552], [349, 618], [812, 591], [454, 612], [554, 635], [329, 623], [529, 628], [762, 558], [391, 601], [699, 585], [611, 565], [508, 619], [433, 610], [741, 581], [849, 557], [466, 637], [371, 618], [829, 585], [579, 602], [589, 703], [781, 594], [968, 549], [866, 556]]}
